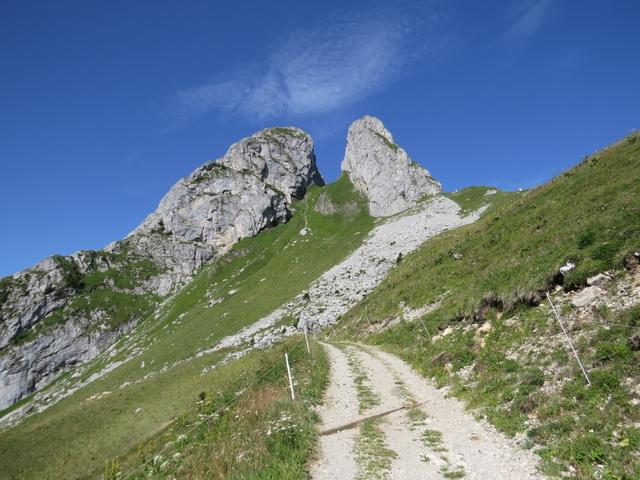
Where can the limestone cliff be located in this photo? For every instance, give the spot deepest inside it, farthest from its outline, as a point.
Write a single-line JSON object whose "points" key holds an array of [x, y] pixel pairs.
{"points": [[382, 170], [65, 310]]}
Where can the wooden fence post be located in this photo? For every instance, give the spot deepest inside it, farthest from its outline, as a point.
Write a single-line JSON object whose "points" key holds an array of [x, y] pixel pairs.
{"points": [[306, 339], [286, 359]]}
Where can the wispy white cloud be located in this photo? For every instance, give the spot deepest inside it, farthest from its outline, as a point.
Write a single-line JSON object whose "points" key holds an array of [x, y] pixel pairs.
{"points": [[320, 69], [527, 21]]}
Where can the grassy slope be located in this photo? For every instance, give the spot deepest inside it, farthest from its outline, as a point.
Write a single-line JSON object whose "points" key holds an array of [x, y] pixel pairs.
{"points": [[472, 198], [589, 215], [76, 435], [261, 434]]}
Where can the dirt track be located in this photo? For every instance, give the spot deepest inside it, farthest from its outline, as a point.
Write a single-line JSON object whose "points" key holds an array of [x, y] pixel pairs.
{"points": [[426, 435]]}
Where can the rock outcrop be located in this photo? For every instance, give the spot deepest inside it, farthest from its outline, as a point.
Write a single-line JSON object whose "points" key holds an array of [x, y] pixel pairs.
{"points": [[247, 190], [382, 170], [283, 158], [27, 368], [66, 310]]}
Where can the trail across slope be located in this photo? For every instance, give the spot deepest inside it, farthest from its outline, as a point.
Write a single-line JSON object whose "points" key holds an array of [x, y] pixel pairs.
{"points": [[348, 282], [427, 435]]}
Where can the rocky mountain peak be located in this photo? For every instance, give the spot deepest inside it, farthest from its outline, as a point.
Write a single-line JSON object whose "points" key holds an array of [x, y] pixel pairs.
{"points": [[382, 170], [250, 188], [282, 157], [58, 313], [374, 124]]}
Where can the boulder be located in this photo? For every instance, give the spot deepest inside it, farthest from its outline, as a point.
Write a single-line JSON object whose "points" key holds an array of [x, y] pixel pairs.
{"points": [[382, 170], [632, 262], [587, 296], [481, 333], [598, 280]]}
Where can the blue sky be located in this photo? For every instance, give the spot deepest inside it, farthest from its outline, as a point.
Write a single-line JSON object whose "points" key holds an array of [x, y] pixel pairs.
{"points": [[104, 105]]}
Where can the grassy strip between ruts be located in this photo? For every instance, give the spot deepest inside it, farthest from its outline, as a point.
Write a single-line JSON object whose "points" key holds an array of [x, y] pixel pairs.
{"points": [[249, 429], [373, 457], [367, 398]]}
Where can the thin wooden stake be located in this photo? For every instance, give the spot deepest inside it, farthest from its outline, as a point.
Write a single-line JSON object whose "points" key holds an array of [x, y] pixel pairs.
{"points": [[286, 359], [584, 372], [425, 328], [306, 339]]}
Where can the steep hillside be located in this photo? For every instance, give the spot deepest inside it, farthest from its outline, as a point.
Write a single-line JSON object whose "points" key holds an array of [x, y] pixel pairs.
{"points": [[246, 426], [455, 283], [587, 216], [65, 310], [468, 309], [158, 370], [246, 287]]}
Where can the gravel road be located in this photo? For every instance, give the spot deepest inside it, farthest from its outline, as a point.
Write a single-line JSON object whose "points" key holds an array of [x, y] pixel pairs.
{"points": [[413, 431]]}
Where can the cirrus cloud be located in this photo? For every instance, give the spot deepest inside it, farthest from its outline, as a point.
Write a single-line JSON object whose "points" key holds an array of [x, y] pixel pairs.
{"points": [[528, 21], [321, 69]]}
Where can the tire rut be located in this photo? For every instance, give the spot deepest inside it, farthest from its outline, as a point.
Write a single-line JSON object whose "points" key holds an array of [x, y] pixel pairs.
{"points": [[426, 436]]}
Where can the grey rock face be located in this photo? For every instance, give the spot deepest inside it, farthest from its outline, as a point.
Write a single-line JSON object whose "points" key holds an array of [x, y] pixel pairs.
{"points": [[202, 216], [42, 334], [282, 157], [29, 296], [36, 363], [247, 190], [382, 170]]}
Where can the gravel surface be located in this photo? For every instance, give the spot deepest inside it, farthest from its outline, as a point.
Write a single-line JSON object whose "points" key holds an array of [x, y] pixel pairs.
{"points": [[345, 284], [432, 438], [340, 407]]}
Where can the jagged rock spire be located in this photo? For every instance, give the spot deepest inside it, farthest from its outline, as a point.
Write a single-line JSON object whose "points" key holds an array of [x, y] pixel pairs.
{"points": [[382, 170]]}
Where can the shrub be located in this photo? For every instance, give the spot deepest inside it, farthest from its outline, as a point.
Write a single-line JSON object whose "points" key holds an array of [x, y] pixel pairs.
{"points": [[5, 287], [609, 351], [605, 380], [533, 376], [586, 239], [605, 253], [112, 470], [70, 272], [588, 449]]}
